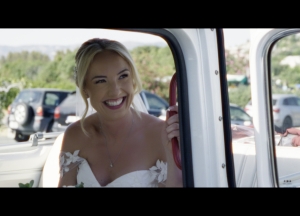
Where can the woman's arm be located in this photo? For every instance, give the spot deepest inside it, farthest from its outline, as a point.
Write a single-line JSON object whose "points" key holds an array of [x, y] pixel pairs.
{"points": [[69, 159]]}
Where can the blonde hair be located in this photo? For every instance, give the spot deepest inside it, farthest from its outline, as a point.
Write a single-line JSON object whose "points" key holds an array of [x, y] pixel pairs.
{"points": [[85, 56]]}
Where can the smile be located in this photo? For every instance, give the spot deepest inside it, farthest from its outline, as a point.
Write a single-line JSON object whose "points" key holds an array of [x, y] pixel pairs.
{"points": [[115, 103]]}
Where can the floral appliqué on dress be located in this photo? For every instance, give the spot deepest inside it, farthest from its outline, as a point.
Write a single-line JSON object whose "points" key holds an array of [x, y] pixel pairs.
{"points": [[68, 161], [159, 172]]}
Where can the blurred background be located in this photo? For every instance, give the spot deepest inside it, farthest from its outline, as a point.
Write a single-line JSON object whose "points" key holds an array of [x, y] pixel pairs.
{"points": [[34, 58]]}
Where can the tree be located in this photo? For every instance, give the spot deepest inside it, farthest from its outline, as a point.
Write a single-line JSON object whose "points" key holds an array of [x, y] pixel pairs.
{"points": [[155, 66]]}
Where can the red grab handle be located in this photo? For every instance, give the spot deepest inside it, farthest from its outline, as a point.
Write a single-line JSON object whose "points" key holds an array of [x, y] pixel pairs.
{"points": [[172, 98]]}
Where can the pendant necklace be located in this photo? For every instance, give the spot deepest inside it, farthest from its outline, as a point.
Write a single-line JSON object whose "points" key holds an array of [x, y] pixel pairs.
{"points": [[110, 159]]}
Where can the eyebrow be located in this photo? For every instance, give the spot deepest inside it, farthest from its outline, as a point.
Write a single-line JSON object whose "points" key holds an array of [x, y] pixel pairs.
{"points": [[105, 76]]}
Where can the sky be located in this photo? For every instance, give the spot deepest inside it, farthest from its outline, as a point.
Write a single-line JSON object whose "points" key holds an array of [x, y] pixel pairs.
{"points": [[236, 36], [19, 37]]}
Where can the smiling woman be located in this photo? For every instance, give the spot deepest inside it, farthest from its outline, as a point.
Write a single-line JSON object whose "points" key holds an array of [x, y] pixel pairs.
{"points": [[117, 145]]}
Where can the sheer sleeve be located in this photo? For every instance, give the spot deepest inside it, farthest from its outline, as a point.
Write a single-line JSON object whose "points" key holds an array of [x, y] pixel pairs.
{"points": [[68, 161]]}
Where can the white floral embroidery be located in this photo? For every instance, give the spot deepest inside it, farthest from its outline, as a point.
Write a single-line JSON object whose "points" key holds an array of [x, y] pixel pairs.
{"points": [[68, 161], [159, 172], [72, 157]]}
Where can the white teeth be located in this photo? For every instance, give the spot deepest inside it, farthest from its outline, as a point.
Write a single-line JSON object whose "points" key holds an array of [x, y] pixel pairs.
{"points": [[114, 102]]}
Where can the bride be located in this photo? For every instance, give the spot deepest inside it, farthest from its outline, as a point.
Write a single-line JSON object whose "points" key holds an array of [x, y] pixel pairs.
{"points": [[120, 144]]}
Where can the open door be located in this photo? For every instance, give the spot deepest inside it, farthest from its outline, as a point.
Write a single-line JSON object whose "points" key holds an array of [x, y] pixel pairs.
{"points": [[276, 105]]}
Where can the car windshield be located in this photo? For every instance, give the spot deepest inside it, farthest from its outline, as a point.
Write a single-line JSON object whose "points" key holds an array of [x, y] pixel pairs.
{"points": [[274, 102], [28, 96]]}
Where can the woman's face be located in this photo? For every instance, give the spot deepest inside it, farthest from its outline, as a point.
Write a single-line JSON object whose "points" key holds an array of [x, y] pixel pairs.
{"points": [[109, 85]]}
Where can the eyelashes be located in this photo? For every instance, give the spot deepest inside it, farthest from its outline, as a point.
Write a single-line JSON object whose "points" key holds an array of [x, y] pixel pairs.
{"points": [[123, 76], [100, 81]]}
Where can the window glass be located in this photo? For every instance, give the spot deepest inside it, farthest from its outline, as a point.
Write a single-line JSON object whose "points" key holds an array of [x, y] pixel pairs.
{"points": [[28, 96], [51, 99], [154, 102], [286, 102]]}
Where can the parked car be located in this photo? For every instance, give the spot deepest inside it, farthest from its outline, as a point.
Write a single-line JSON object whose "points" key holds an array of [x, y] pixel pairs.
{"points": [[33, 111], [286, 111], [155, 104], [239, 117], [65, 113]]}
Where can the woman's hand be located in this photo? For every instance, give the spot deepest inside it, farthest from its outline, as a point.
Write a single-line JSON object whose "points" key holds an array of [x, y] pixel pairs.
{"points": [[172, 126], [296, 139]]}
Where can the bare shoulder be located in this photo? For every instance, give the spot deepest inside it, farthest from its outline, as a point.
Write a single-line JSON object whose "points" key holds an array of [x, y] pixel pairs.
{"points": [[154, 129], [152, 123], [73, 138]]}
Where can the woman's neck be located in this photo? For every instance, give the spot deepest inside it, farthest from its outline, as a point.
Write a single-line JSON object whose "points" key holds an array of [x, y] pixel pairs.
{"points": [[117, 127]]}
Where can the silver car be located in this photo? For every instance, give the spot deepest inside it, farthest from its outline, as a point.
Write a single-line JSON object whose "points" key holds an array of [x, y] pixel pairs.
{"points": [[286, 111]]}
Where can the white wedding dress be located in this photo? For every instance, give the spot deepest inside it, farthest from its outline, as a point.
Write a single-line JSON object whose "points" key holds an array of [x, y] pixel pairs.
{"points": [[140, 178], [155, 175]]}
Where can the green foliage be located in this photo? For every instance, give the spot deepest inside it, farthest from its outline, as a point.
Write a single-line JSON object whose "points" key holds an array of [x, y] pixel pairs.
{"points": [[237, 63], [287, 46], [24, 64], [155, 66], [81, 185], [33, 69], [240, 95], [58, 73], [27, 185]]}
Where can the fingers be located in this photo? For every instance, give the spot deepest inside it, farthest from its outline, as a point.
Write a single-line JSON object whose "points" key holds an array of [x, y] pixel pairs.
{"points": [[172, 124], [173, 119], [173, 108], [296, 141], [173, 131], [172, 127]]}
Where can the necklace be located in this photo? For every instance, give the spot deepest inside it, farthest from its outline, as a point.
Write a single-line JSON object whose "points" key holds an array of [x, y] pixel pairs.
{"points": [[111, 161]]}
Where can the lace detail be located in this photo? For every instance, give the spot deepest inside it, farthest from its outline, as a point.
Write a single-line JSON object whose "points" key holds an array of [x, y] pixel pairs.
{"points": [[159, 172], [68, 161]]}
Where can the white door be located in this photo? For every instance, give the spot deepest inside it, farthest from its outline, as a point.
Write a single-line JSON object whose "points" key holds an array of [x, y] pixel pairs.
{"points": [[274, 69]]}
